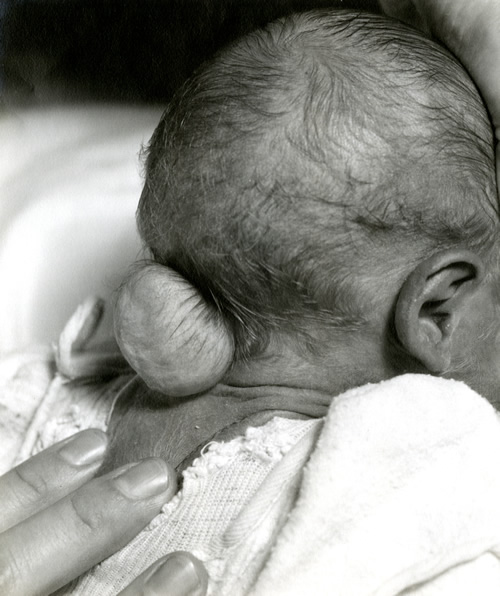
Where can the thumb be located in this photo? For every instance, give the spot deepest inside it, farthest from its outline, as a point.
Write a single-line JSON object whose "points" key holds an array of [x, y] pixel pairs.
{"points": [[177, 574]]}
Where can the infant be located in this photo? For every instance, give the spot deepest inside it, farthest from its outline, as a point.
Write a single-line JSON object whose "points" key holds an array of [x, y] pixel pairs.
{"points": [[321, 209], [321, 213]]}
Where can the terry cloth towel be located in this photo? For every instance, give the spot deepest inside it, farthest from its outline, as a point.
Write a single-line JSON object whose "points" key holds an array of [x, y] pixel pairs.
{"points": [[401, 496]]}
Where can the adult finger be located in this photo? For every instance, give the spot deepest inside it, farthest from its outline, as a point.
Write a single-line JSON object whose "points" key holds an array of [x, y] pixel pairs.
{"points": [[83, 528], [177, 574], [50, 475]]}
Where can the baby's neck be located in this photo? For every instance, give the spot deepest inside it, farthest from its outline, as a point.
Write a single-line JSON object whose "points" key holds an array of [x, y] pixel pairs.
{"points": [[145, 423]]}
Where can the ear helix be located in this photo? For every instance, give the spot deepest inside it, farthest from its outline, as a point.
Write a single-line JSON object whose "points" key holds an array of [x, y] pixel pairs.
{"points": [[177, 342]]}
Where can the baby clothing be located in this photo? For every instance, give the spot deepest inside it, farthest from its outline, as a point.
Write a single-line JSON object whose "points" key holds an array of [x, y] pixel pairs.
{"points": [[40, 407]]}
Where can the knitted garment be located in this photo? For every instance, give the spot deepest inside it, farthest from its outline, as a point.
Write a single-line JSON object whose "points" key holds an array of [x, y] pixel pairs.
{"points": [[24, 380], [201, 517], [208, 517]]}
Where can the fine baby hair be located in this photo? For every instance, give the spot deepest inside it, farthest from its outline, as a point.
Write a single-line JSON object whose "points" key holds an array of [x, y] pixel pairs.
{"points": [[294, 182]]}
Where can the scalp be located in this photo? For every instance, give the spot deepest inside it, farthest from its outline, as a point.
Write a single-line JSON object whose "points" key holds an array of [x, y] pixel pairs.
{"points": [[287, 170]]}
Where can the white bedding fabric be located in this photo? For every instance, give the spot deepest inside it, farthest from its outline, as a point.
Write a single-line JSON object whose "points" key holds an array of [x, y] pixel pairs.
{"points": [[70, 181], [401, 496]]}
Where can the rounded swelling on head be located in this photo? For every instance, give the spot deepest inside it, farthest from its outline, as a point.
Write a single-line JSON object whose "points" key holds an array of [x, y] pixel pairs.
{"points": [[176, 343]]}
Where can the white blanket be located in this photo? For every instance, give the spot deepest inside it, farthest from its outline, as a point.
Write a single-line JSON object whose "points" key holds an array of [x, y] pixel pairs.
{"points": [[402, 490]]}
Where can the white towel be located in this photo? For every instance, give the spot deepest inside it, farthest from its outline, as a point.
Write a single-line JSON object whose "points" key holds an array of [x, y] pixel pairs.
{"points": [[402, 490]]}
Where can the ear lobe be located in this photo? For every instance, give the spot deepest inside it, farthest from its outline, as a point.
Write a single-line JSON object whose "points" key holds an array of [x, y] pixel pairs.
{"points": [[432, 304]]}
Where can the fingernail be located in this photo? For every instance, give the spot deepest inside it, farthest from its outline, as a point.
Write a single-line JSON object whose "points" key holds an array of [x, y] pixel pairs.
{"points": [[84, 448], [176, 577], [147, 478]]}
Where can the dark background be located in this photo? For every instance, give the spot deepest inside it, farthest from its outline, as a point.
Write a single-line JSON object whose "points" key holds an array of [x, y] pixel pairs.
{"points": [[135, 51]]}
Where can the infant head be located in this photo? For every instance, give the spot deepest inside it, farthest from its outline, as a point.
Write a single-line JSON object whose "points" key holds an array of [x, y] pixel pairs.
{"points": [[315, 177]]}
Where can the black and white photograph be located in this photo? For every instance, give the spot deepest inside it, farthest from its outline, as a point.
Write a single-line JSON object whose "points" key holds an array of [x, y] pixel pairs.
{"points": [[249, 298]]}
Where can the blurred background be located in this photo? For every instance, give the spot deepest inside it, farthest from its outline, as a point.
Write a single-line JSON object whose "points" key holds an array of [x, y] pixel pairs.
{"points": [[124, 50], [82, 85]]}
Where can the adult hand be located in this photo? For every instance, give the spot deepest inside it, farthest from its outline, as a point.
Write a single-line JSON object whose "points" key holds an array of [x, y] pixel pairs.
{"points": [[471, 29], [57, 521]]}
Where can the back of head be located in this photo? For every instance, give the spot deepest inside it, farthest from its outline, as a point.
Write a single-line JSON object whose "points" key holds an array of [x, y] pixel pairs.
{"points": [[302, 173]]}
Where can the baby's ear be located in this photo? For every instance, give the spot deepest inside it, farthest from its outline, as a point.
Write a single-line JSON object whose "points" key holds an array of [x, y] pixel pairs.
{"points": [[434, 303], [177, 342]]}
